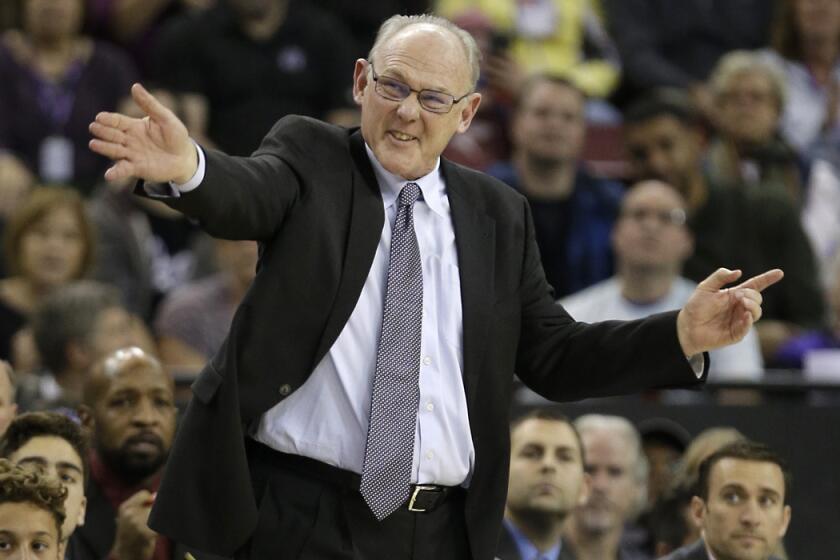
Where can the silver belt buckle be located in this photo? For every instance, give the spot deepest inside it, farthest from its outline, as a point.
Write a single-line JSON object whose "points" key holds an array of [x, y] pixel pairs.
{"points": [[414, 493]]}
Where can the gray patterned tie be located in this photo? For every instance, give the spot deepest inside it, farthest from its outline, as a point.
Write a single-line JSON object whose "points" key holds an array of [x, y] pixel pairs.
{"points": [[386, 473]]}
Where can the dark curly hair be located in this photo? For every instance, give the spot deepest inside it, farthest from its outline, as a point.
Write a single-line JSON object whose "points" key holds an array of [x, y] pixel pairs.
{"points": [[18, 485], [36, 424]]}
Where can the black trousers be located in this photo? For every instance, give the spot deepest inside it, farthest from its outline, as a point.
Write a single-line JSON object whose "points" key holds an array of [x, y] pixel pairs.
{"points": [[309, 510]]}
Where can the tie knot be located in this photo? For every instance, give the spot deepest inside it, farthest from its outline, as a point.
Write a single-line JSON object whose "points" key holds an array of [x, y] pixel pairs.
{"points": [[409, 194]]}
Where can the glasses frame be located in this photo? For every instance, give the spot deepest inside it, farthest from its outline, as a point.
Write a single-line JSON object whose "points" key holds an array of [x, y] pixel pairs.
{"points": [[376, 87]]}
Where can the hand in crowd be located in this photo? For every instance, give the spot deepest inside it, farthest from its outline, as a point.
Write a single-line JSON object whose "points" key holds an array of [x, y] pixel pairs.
{"points": [[156, 147], [504, 75], [134, 540], [715, 316]]}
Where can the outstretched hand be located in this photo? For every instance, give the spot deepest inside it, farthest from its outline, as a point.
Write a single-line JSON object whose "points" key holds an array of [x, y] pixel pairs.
{"points": [[155, 148], [715, 316]]}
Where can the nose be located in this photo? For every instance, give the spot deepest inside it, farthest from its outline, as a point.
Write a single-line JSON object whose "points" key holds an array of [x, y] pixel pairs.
{"points": [[145, 413], [750, 514], [409, 108]]}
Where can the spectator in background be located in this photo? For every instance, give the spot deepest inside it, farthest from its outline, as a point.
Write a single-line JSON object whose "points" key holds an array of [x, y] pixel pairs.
{"points": [[31, 514], [806, 43], [676, 44], [251, 62], [618, 469], [733, 226], [573, 211], [546, 483], [749, 94], [557, 37], [8, 392], [144, 247], [194, 319], [55, 81], [663, 442], [652, 242], [740, 504], [48, 244], [53, 446], [73, 328], [129, 410]]}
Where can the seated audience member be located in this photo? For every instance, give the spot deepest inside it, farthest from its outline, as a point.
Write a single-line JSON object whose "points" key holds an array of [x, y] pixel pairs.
{"points": [[806, 44], [129, 410], [819, 216], [573, 211], [31, 514], [194, 320], [670, 522], [676, 44], [704, 444], [559, 37], [8, 394], [651, 242], [614, 460], [73, 328], [741, 505], [749, 93], [663, 442], [54, 446], [48, 243], [56, 80], [733, 226], [296, 59], [546, 483]]}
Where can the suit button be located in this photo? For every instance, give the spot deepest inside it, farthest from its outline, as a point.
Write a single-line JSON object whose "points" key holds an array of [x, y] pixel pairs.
{"points": [[285, 389]]}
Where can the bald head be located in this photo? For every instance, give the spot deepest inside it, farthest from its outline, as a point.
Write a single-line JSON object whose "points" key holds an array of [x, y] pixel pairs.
{"points": [[398, 27], [129, 404]]}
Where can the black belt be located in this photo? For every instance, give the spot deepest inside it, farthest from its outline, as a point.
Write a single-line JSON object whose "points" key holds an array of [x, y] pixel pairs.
{"points": [[422, 498]]}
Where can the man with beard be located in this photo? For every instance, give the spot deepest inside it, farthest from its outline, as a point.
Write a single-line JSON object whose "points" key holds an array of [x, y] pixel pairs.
{"points": [[129, 410], [546, 483], [740, 505], [618, 469]]}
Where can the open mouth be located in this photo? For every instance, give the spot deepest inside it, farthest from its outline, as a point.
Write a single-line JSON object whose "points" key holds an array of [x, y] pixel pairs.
{"points": [[401, 136]]}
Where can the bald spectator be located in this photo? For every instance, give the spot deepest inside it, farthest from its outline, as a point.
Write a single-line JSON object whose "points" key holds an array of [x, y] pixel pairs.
{"points": [[652, 241], [616, 463], [741, 505], [547, 481], [573, 210], [741, 228], [8, 391], [54, 446]]}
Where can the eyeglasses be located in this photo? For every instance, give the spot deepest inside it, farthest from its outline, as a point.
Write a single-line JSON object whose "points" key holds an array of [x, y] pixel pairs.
{"points": [[673, 217], [431, 100]]}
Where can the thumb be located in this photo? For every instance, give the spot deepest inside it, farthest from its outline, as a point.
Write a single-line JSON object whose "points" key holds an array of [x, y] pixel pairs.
{"points": [[149, 104], [719, 278]]}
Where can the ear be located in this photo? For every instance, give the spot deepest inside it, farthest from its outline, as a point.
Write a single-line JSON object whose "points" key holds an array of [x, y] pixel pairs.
{"points": [[86, 418], [687, 245], [698, 510], [468, 112], [360, 80], [78, 358], [82, 511], [585, 489], [785, 521]]}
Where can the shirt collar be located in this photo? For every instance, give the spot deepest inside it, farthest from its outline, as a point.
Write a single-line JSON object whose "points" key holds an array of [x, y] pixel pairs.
{"points": [[526, 547], [431, 185]]}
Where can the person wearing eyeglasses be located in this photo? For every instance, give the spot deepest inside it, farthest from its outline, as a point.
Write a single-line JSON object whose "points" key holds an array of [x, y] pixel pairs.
{"points": [[358, 407], [652, 241]]}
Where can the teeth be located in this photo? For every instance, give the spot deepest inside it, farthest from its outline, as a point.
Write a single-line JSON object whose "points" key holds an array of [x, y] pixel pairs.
{"points": [[401, 136]]}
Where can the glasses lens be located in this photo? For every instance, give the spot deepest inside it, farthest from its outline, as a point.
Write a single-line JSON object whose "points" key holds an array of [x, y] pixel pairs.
{"points": [[392, 89], [435, 101]]}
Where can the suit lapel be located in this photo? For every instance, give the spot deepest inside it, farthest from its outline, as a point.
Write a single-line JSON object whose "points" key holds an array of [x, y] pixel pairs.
{"points": [[475, 241], [365, 229]]}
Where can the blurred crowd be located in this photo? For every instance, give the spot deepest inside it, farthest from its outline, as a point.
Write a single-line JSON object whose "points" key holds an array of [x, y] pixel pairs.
{"points": [[655, 140]]}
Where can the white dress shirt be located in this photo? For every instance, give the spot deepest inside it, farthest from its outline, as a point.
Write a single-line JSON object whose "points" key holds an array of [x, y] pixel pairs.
{"points": [[327, 417]]}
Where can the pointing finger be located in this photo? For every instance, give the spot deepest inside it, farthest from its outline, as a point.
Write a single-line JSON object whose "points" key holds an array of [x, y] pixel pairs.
{"points": [[151, 106], [763, 281]]}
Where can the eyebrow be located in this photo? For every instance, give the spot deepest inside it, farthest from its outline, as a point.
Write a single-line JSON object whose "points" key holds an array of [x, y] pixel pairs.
{"points": [[43, 462]]}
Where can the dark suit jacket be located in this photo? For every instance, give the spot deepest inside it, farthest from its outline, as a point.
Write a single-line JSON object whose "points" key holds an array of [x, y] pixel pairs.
{"points": [[310, 197], [507, 549], [696, 551]]}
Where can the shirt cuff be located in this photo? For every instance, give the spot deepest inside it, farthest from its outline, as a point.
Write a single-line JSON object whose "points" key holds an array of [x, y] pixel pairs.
{"points": [[197, 177], [697, 363]]}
